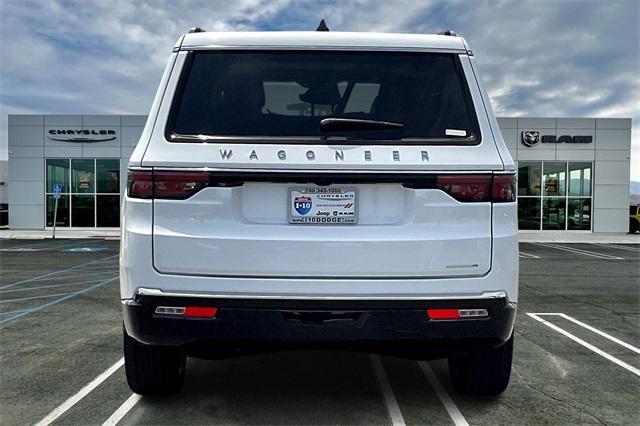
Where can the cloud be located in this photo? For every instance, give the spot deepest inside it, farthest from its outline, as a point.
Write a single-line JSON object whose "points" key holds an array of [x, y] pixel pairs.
{"points": [[537, 58]]}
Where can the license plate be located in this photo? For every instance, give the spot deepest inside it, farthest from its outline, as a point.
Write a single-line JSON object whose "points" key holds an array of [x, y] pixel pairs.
{"points": [[322, 205]]}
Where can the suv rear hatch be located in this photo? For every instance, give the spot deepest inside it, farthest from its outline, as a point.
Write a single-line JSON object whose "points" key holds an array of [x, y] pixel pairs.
{"points": [[400, 186]]}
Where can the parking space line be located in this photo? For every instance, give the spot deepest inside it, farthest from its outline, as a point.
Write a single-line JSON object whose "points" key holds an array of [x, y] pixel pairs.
{"points": [[73, 400], [393, 409], [82, 274], [587, 345], [22, 299], [637, 250], [24, 245], [42, 243], [98, 266], [449, 405], [42, 287], [50, 246], [55, 302], [123, 410], [524, 255], [12, 312], [595, 330], [72, 268], [580, 251]]}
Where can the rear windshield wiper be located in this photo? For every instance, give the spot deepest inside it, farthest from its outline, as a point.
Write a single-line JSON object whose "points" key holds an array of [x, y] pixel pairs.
{"points": [[352, 124]]}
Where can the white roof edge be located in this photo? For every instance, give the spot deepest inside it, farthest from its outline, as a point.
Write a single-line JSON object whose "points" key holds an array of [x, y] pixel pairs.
{"points": [[318, 39], [179, 42]]}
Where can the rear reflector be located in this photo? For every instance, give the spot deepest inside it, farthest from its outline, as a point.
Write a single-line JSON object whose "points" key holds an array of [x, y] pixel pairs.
{"points": [[200, 312], [443, 314], [449, 314], [188, 311]]}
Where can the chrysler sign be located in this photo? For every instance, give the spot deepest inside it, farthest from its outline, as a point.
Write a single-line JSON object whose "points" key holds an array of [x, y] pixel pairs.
{"points": [[533, 138], [81, 135]]}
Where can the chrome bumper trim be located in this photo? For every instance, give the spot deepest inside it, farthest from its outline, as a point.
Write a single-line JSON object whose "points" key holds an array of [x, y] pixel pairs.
{"points": [[486, 295]]}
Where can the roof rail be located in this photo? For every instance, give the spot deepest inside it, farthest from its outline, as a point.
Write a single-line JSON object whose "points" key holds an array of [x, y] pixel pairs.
{"points": [[448, 33], [197, 30]]}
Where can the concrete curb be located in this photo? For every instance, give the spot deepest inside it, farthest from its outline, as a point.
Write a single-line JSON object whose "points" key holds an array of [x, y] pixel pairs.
{"points": [[41, 235], [543, 237]]}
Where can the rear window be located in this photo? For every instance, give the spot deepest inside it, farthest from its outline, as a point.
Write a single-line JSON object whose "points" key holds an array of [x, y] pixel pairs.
{"points": [[264, 95]]}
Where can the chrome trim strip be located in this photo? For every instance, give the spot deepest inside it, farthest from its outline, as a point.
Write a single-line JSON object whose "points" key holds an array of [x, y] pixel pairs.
{"points": [[156, 292], [336, 170], [311, 48], [315, 141]]}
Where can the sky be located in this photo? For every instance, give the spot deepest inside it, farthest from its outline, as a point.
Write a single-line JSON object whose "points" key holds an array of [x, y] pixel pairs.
{"points": [[537, 58]]}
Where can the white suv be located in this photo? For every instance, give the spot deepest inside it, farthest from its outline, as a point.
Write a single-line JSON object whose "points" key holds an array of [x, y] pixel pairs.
{"points": [[320, 190]]}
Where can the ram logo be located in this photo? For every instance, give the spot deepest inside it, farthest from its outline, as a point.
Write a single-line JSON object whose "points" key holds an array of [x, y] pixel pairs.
{"points": [[530, 138]]}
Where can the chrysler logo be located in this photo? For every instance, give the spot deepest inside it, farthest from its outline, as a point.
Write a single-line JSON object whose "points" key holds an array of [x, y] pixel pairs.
{"points": [[84, 135], [530, 137]]}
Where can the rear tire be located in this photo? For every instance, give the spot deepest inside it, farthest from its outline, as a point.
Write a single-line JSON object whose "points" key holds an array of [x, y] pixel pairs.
{"points": [[153, 370], [483, 373]]}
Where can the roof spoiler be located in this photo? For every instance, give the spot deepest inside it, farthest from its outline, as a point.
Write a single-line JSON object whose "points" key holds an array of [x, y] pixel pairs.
{"points": [[322, 26]]}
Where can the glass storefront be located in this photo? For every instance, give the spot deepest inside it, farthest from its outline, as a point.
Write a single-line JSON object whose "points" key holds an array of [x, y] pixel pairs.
{"points": [[90, 192], [554, 195]]}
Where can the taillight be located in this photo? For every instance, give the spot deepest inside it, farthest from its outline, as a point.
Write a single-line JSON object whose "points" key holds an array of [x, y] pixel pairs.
{"points": [[165, 185], [187, 311], [466, 187], [200, 312], [178, 185], [451, 314], [503, 189], [140, 184], [477, 188]]}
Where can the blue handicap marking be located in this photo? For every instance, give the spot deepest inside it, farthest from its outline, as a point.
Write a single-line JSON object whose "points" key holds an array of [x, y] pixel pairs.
{"points": [[87, 249]]}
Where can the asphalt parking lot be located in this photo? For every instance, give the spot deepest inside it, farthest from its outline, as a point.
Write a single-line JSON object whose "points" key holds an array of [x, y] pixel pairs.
{"points": [[576, 361]]}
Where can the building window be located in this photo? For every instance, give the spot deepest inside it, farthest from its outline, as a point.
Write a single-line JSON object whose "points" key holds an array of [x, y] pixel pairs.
{"points": [[529, 175], [554, 195], [90, 194]]}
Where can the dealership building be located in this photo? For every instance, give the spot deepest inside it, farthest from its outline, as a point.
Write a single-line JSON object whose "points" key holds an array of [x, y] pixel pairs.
{"points": [[573, 173]]}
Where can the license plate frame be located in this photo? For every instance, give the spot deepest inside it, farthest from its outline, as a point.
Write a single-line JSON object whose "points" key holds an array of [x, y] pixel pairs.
{"points": [[328, 205]]}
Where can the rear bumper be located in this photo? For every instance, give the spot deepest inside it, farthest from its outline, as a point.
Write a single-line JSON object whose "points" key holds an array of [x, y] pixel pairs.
{"points": [[250, 325]]}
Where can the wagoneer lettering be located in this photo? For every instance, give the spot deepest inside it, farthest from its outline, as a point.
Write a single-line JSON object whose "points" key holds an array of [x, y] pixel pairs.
{"points": [[338, 155], [282, 181]]}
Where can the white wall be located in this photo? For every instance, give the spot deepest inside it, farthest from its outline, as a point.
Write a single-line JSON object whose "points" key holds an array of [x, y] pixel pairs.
{"points": [[28, 146], [610, 151]]}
